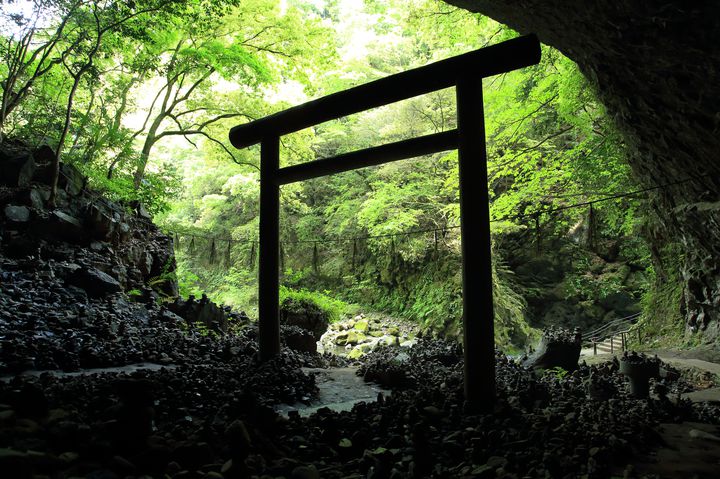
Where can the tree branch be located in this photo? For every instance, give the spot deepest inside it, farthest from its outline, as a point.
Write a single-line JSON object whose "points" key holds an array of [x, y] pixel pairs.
{"points": [[209, 137]]}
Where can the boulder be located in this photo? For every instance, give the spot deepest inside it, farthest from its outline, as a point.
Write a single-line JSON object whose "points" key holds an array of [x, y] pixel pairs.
{"points": [[71, 180], [304, 314], [361, 326], [67, 225], [558, 348], [353, 337], [94, 282], [44, 154], [16, 167], [389, 340], [540, 270], [33, 197], [203, 311], [59, 225], [17, 214], [299, 339], [100, 222], [356, 353], [342, 338]]}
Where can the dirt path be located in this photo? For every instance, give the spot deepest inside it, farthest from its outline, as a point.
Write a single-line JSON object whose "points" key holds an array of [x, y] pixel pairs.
{"points": [[128, 368], [674, 358], [677, 359]]}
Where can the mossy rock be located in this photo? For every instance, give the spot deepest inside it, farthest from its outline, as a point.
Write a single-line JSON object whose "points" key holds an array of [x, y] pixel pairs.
{"points": [[304, 314], [376, 333], [361, 326], [355, 354], [342, 339], [354, 337]]}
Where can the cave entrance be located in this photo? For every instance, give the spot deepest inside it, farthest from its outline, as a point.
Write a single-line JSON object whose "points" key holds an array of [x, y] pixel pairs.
{"points": [[465, 73]]}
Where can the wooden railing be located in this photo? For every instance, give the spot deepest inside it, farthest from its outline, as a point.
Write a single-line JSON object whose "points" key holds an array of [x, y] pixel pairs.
{"points": [[465, 73]]}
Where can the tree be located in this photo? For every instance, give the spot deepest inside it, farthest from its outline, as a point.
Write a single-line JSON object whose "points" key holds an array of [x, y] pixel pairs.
{"points": [[244, 50], [30, 50], [95, 20]]}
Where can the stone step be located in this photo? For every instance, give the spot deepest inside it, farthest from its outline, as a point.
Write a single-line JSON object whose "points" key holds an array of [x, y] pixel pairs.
{"points": [[606, 348]]}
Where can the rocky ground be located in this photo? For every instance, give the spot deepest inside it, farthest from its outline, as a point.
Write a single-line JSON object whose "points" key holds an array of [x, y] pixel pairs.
{"points": [[75, 294], [214, 420]]}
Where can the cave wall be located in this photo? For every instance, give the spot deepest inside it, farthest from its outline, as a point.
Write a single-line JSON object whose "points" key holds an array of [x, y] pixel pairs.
{"points": [[656, 66]]}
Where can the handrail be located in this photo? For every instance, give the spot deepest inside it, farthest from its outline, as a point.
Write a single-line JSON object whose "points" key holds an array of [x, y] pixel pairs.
{"points": [[502, 57], [596, 332], [617, 327]]}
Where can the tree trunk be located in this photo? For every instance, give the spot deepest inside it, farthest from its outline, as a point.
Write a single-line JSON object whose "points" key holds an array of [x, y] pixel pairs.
{"points": [[66, 127], [150, 140]]}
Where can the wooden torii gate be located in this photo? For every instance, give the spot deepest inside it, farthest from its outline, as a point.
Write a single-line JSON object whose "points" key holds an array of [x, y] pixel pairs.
{"points": [[465, 72]]}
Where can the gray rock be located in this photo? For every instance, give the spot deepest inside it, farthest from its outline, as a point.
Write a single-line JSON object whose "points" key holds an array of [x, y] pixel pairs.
{"points": [[16, 167], [300, 340], [17, 214], [305, 472], [15, 463], [71, 180], [60, 226], [34, 197], [68, 225], [100, 222], [540, 270], [94, 282], [557, 348], [305, 315], [203, 311]]}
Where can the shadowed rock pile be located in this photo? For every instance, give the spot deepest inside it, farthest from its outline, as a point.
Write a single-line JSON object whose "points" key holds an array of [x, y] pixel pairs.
{"points": [[82, 283], [76, 277], [213, 420]]}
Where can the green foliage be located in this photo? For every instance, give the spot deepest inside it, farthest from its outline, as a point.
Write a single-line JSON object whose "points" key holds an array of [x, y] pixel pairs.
{"points": [[661, 323], [550, 145], [187, 281], [155, 193], [557, 372], [334, 308], [203, 330]]}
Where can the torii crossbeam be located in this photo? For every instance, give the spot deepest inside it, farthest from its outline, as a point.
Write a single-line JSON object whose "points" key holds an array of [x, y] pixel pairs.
{"points": [[465, 72]]}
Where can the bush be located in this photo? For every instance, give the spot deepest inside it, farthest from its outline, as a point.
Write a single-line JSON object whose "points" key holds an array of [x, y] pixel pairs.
{"points": [[334, 308]]}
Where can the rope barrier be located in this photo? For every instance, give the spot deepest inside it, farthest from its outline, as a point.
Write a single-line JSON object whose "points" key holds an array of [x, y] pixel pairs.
{"points": [[535, 215]]}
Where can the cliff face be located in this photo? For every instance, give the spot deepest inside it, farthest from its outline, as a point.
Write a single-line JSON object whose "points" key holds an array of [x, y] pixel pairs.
{"points": [[657, 68]]}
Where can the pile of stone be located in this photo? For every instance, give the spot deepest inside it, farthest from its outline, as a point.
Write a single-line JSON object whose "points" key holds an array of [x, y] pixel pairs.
{"points": [[83, 281], [213, 420], [76, 293], [357, 336]]}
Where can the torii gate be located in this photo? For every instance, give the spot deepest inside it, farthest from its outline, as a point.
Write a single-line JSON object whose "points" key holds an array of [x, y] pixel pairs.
{"points": [[465, 72]]}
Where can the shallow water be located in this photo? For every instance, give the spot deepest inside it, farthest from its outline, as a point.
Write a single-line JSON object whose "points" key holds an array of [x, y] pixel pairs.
{"points": [[340, 389]]}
